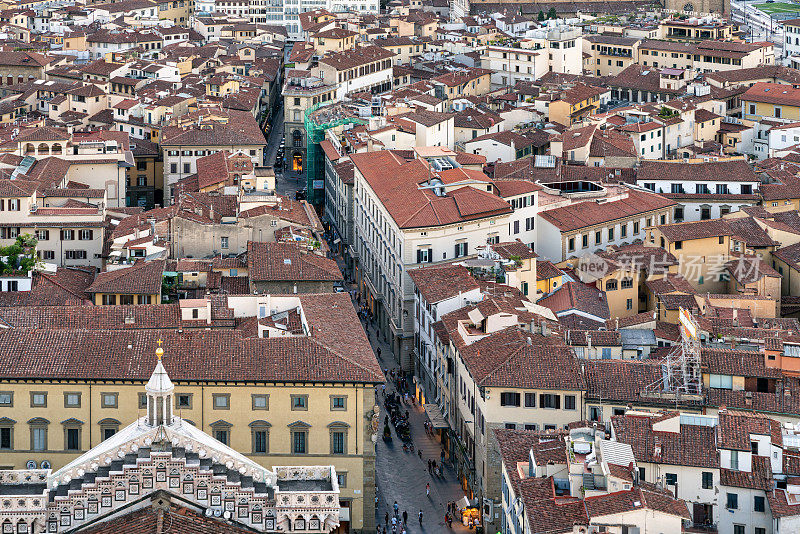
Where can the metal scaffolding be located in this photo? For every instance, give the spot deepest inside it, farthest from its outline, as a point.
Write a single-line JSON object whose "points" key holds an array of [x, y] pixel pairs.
{"points": [[681, 375], [319, 118]]}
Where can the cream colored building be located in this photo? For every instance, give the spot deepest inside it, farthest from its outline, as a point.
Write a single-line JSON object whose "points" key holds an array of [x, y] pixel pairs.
{"points": [[257, 395]]}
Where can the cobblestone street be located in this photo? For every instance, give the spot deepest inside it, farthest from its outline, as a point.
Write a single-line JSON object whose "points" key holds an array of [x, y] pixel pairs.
{"points": [[402, 476]]}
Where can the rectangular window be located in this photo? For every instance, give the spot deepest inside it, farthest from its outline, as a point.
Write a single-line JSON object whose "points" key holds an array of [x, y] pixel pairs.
{"points": [[338, 442], [183, 401], [758, 504], [671, 478], [6, 398], [299, 402], [73, 439], [109, 400], [299, 442], [222, 401], [38, 399], [260, 402], [569, 402], [260, 441], [85, 235], [338, 402], [6, 438], [732, 501], [530, 400], [72, 400], [461, 249], [611, 234], [548, 400], [223, 242], [598, 237], [708, 480], [39, 438], [509, 399]]}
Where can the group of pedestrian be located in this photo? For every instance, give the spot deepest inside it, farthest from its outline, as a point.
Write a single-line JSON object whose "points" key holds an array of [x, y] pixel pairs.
{"points": [[397, 521], [435, 469]]}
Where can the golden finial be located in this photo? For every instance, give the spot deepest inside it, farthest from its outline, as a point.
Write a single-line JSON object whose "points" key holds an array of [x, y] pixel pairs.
{"points": [[159, 350]]}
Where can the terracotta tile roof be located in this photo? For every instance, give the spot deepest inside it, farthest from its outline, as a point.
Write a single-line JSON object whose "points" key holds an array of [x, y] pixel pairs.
{"points": [[749, 231], [589, 213], [143, 278], [779, 505], [545, 270], [750, 269], [772, 93], [64, 288], [239, 129], [177, 520], [102, 317], [438, 283], [269, 262], [396, 183], [579, 297], [734, 429], [759, 478], [355, 57], [513, 248], [695, 230], [642, 497], [789, 255], [735, 170], [737, 363], [505, 358], [693, 445], [336, 351], [624, 381]]}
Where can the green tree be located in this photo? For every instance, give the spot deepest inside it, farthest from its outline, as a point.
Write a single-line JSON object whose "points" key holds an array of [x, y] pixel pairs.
{"points": [[20, 257], [541, 16], [551, 14]]}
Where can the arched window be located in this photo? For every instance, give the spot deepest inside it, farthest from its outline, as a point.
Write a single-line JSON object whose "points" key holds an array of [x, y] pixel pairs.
{"points": [[29, 149], [611, 285], [56, 148], [43, 149], [297, 138]]}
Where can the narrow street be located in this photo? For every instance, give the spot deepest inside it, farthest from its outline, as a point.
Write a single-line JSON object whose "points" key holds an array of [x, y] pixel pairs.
{"points": [[285, 185], [402, 476]]}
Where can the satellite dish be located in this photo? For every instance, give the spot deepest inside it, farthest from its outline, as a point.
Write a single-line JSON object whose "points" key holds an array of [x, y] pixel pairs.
{"points": [[30, 464]]}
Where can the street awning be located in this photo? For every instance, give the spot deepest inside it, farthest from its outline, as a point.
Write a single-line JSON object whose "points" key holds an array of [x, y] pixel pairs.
{"points": [[435, 416]]}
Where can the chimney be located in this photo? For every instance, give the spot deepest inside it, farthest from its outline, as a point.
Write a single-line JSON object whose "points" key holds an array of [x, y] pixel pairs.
{"points": [[657, 448], [735, 317], [616, 323], [748, 398], [589, 345]]}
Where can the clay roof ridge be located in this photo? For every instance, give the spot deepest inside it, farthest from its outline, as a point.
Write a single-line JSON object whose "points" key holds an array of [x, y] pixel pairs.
{"points": [[342, 356]]}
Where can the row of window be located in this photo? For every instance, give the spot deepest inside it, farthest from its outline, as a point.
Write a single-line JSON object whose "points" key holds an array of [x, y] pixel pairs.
{"points": [[623, 233], [13, 204], [546, 400], [259, 431], [220, 401]]}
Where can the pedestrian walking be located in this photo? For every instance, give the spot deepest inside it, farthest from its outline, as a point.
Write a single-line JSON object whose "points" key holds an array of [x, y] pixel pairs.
{"points": [[420, 518], [449, 521], [386, 519], [379, 352], [429, 465], [405, 517], [396, 508], [428, 489], [419, 452], [394, 523]]}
